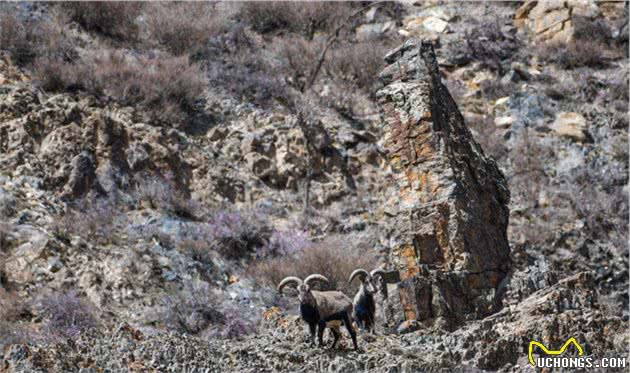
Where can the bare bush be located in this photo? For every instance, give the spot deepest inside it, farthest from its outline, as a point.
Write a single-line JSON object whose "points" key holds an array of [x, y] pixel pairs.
{"points": [[199, 250], [286, 242], [487, 44], [65, 315], [490, 138], [161, 194], [238, 65], [192, 309], [199, 310], [590, 46], [305, 17], [26, 38], [298, 55], [115, 19], [167, 87], [237, 322], [17, 38], [12, 307], [13, 312], [94, 219], [574, 54], [182, 28], [529, 174], [594, 29], [5, 232], [334, 258], [359, 63], [234, 234]]}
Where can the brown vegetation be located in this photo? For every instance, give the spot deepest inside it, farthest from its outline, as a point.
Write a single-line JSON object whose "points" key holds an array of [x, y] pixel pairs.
{"points": [[116, 19], [334, 258]]}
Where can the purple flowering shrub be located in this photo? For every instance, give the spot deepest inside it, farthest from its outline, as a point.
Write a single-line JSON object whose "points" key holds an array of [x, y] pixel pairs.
{"points": [[286, 242], [198, 309], [65, 315]]}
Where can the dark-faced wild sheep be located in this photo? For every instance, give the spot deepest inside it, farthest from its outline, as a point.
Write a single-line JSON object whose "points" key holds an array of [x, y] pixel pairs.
{"points": [[321, 309], [364, 305]]}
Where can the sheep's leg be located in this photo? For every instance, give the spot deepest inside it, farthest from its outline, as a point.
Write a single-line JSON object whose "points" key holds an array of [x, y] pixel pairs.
{"points": [[336, 334], [320, 332], [348, 324], [372, 326], [312, 326]]}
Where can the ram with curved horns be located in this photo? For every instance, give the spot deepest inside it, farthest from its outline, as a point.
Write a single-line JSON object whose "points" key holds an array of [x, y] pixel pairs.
{"points": [[364, 305], [321, 309]]}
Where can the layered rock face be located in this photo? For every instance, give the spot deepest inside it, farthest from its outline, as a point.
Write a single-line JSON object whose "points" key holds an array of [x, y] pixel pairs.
{"points": [[555, 20], [448, 210]]}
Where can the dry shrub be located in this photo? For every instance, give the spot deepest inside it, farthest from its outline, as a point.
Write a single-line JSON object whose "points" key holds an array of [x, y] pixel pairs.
{"points": [[300, 17], [94, 219], [239, 66], [333, 258], [487, 44], [574, 54], [182, 28], [299, 56], [13, 311], [161, 194], [197, 309], [115, 19], [191, 309], [65, 315], [591, 46], [17, 38], [167, 87], [5, 231], [490, 137], [529, 176], [12, 307], [359, 63], [26, 38]]}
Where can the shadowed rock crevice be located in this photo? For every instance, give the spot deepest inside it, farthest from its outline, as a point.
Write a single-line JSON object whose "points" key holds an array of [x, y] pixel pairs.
{"points": [[449, 200]]}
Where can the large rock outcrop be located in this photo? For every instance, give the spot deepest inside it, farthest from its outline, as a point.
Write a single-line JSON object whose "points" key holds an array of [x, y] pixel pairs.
{"points": [[449, 205]]}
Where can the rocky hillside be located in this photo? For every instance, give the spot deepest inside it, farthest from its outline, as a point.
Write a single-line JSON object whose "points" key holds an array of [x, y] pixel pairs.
{"points": [[164, 166]]}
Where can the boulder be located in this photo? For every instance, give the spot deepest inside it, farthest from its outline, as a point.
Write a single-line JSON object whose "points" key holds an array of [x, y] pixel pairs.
{"points": [[553, 20], [570, 125], [448, 204]]}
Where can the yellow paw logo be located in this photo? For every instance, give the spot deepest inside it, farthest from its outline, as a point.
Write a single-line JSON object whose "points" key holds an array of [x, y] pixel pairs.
{"points": [[552, 352]]}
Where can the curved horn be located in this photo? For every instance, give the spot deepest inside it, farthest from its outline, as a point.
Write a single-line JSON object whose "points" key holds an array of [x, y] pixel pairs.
{"points": [[377, 272], [358, 272], [289, 280], [315, 277]]}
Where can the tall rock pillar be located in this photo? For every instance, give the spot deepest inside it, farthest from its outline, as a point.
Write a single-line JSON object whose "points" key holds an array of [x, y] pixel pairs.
{"points": [[448, 211]]}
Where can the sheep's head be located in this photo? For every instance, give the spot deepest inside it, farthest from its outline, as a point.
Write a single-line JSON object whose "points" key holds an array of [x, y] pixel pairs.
{"points": [[303, 287], [371, 282]]}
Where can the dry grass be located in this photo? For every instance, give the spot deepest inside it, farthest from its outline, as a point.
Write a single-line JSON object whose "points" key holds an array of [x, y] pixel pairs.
{"points": [[26, 39], [66, 315], [94, 219], [166, 86], [574, 54], [489, 137], [13, 311], [241, 68], [17, 38], [304, 17], [115, 19], [359, 63], [161, 194], [333, 258], [591, 46], [182, 28]]}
